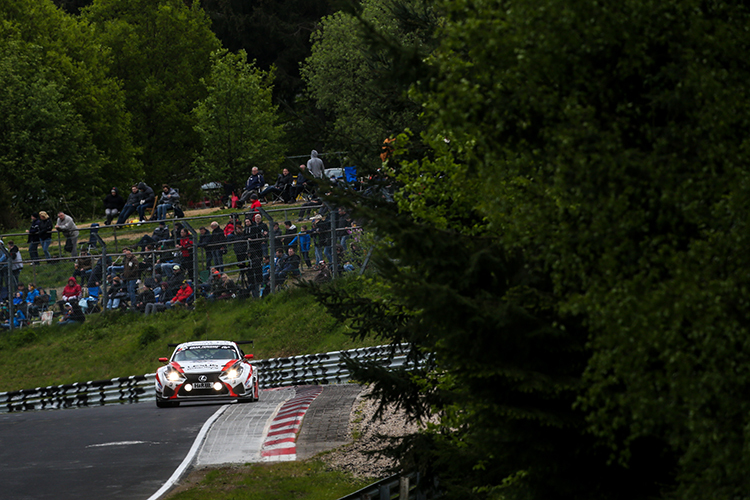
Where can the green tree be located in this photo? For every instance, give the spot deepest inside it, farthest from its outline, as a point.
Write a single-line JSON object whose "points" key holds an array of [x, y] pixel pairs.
{"points": [[237, 121], [64, 116], [161, 51], [353, 83], [606, 141]]}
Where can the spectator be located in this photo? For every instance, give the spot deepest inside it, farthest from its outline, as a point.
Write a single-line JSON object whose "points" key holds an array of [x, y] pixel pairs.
{"points": [[45, 234], [69, 229], [238, 240], [73, 314], [183, 294], [315, 238], [113, 203], [282, 187], [263, 227], [229, 228], [254, 184], [33, 239], [218, 245], [83, 266], [343, 225], [159, 236], [186, 252], [130, 273], [309, 206], [173, 283], [277, 235], [117, 292], [290, 233], [133, 202], [71, 293], [255, 241], [303, 240], [289, 265], [302, 184], [16, 262], [315, 165], [254, 205], [227, 289], [146, 200], [18, 320], [146, 296], [170, 199], [204, 241], [31, 296]]}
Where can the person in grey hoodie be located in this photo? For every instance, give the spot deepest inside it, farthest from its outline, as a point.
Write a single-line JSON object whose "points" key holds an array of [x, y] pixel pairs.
{"points": [[315, 165]]}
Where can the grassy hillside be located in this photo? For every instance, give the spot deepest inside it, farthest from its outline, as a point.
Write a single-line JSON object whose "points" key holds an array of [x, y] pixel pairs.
{"points": [[121, 344]]}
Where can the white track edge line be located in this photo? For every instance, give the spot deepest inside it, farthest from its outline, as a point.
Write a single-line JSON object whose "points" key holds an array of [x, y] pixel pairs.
{"points": [[177, 474]]}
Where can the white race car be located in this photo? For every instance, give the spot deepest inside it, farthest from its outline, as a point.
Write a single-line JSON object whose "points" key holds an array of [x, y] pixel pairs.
{"points": [[206, 370]]}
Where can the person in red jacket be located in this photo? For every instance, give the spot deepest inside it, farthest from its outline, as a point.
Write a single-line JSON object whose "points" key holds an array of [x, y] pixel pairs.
{"points": [[183, 294], [71, 293]]}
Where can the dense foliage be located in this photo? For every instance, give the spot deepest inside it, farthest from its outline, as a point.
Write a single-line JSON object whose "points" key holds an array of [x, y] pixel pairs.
{"points": [[64, 126], [237, 120], [604, 143]]}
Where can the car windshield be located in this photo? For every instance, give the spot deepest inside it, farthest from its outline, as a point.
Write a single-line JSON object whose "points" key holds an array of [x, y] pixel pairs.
{"points": [[198, 353]]}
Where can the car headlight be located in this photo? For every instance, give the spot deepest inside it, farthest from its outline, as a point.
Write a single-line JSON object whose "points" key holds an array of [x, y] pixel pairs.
{"points": [[233, 372], [173, 375]]}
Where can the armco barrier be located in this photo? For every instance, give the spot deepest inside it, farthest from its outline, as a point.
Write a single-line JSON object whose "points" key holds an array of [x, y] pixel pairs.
{"points": [[321, 369]]}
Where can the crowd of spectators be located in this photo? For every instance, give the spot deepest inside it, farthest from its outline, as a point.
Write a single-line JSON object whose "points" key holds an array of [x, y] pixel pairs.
{"points": [[159, 274]]}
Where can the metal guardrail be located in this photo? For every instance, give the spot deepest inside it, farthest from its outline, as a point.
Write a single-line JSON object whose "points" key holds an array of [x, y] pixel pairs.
{"points": [[400, 487], [326, 368]]}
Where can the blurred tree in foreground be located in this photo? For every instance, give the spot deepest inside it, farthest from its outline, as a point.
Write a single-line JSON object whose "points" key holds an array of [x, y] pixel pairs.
{"points": [[605, 144]]}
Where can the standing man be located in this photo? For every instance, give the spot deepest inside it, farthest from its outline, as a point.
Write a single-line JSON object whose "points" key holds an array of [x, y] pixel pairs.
{"points": [[218, 245], [130, 274], [69, 229], [315, 165]]}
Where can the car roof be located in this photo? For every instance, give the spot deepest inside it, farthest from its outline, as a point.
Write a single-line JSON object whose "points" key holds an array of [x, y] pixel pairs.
{"points": [[206, 343]]}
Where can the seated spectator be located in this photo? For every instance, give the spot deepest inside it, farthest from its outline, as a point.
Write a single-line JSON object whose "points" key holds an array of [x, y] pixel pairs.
{"points": [[170, 199], [227, 289], [253, 186], [113, 203], [73, 314], [131, 205], [145, 201], [183, 294], [19, 319], [117, 292], [159, 236], [302, 184], [309, 206], [31, 296], [83, 266], [71, 293], [288, 266], [147, 296], [282, 187]]}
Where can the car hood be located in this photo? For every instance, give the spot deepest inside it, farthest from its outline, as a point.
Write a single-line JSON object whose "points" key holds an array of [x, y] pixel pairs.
{"points": [[212, 365]]}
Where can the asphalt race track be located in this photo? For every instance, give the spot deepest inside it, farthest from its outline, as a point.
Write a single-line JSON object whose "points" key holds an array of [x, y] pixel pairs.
{"points": [[108, 452]]}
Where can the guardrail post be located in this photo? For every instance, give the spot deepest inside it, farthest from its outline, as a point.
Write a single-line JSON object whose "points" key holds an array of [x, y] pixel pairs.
{"points": [[403, 488]]}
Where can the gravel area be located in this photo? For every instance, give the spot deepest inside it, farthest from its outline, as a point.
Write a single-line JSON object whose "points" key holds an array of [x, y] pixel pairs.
{"points": [[353, 457]]}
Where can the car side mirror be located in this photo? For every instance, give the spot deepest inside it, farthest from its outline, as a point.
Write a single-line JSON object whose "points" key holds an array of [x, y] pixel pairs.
{"points": [[249, 356], [164, 360]]}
